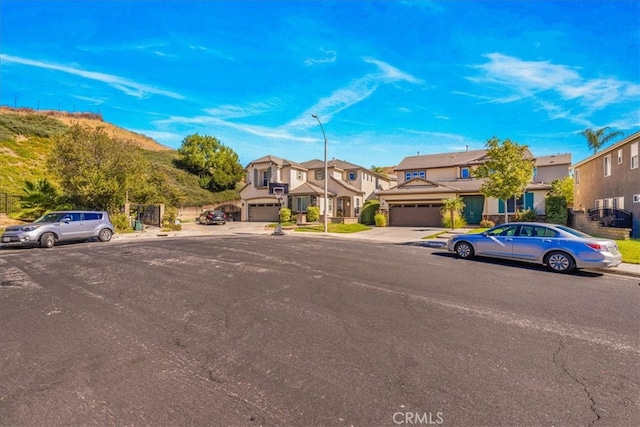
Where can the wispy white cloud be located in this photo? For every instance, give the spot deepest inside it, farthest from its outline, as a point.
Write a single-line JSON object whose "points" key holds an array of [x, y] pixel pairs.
{"points": [[356, 91], [127, 86], [329, 56], [539, 80], [94, 101]]}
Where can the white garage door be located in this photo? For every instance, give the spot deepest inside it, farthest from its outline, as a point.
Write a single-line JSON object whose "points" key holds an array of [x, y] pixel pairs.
{"points": [[415, 215], [264, 212]]}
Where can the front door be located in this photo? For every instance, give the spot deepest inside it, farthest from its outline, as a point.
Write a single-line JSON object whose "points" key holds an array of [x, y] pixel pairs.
{"points": [[473, 206]]}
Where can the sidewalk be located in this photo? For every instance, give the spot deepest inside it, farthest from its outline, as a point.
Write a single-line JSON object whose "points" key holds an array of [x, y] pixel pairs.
{"points": [[397, 235]]}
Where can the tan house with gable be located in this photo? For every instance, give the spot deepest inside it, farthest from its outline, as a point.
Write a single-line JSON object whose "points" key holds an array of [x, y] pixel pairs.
{"points": [[348, 187], [425, 180]]}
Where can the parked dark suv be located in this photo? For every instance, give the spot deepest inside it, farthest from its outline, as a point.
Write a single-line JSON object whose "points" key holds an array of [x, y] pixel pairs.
{"points": [[212, 217], [63, 226]]}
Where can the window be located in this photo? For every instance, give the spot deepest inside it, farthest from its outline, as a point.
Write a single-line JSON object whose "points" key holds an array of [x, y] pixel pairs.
{"points": [[515, 204], [319, 174], [636, 198], [299, 176], [352, 176], [576, 176], [618, 202], [536, 231], [464, 172], [607, 165], [415, 174], [634, 155], [92, 216], [505, 230], [535, 171], [264, 177], [620, 156]]}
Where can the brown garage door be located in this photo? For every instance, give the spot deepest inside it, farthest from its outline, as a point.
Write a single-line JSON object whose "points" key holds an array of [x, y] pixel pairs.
{"points": [[265, 212], [415, 215]]}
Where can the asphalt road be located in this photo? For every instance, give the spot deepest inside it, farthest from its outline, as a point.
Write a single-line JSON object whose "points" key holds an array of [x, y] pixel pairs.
{"points": [[288, 330]]}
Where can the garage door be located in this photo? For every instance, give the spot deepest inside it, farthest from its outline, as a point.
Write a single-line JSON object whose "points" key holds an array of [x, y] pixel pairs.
{"points": [[266, 212], [415, 215]]}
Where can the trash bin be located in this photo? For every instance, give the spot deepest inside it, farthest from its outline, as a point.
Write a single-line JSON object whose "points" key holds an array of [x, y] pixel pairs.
{"points": [[137, 226]]}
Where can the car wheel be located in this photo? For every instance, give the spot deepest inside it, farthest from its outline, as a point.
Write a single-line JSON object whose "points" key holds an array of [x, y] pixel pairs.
{"points": [[47, 240], [105, 235], [464, 250], [560, 262]]}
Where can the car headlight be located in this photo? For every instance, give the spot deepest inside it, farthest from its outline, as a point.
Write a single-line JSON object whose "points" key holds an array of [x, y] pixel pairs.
{"points": [[29, 228]]}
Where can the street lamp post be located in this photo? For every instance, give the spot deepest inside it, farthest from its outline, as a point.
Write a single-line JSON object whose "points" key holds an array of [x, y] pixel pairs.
{"points": [[326, 212]]}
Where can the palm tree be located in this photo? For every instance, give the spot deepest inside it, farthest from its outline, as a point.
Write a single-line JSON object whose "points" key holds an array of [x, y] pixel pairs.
{"points": [[452, 207], [597, 138], [39, 197]]}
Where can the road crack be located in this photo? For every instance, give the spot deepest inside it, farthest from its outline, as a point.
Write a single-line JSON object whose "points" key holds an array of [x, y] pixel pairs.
{"points": [[562, 366]]}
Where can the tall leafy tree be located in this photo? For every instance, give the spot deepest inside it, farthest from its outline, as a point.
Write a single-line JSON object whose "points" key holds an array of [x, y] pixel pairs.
{"points": [[507, 170], [563, 188], [452, 207], [95, 170], [599, 137], [217, 166]]}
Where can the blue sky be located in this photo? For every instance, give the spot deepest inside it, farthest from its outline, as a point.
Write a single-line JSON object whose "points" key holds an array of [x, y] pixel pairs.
{"points": [[388, 79]]}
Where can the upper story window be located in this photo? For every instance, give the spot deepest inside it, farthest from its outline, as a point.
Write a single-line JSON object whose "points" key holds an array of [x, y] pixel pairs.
{"points": [[414, 174], [299, 176], [264, 177], [352, 176], [634, 155], [576, 176], [319, 174], [464, 173], [535, 171], [620, 156], [607, 165]]}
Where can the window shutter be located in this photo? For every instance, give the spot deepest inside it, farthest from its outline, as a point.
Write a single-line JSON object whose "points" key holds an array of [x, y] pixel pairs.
{"points": [[528, 200], [269, 174], [255, 177], [500, 206]]}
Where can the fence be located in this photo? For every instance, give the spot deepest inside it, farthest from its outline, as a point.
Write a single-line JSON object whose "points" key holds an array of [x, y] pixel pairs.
{"points": [[9, 203]]}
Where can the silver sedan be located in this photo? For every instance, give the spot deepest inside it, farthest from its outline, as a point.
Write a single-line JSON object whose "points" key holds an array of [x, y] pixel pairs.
{"points": [[560, 248]]}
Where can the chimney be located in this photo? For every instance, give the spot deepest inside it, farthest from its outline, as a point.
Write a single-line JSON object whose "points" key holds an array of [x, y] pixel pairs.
{"points": [[467, 150]]}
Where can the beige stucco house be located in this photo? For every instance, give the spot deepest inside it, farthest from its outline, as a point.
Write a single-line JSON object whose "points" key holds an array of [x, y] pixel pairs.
{"points": [[425, 180], [348, 187]]}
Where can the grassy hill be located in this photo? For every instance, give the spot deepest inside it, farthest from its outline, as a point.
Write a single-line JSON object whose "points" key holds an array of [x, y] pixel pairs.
{"points": [[26, 139]]}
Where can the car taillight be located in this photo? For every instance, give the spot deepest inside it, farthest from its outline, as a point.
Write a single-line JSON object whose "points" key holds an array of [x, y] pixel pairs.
{"points": [[597, 247]]}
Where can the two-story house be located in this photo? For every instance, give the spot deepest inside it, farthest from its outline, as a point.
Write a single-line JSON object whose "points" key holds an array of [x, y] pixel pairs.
{"points": [[424, 181], [607, 185], [348, 187]]}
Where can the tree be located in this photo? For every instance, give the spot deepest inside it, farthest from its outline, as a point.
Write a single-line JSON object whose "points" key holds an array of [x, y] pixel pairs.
{"points": [[39, 197], [598, 138], [507, 170], [217, 166], [380, 170], [95, 170], [562, 188], [452, 207]]}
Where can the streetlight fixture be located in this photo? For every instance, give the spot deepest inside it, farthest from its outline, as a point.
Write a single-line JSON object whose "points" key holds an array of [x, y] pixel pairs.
{"points": [[326, 212]]}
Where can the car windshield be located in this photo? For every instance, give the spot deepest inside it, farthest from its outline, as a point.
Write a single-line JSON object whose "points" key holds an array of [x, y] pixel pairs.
{"points": [[50, 217], [574, 232]]}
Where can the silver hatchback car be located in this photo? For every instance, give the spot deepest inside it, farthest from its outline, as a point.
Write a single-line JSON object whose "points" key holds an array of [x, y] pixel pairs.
{"points": [[63, 226], [560, 248]]}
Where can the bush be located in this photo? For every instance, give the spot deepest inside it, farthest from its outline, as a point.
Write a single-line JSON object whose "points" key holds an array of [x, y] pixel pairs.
{"points": [[527, 215], [121, 222], [556, 210], [313, 213], [169, 220], [487, 223], [369, 210], [285, 215], [458, 221], [380, 220]]}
